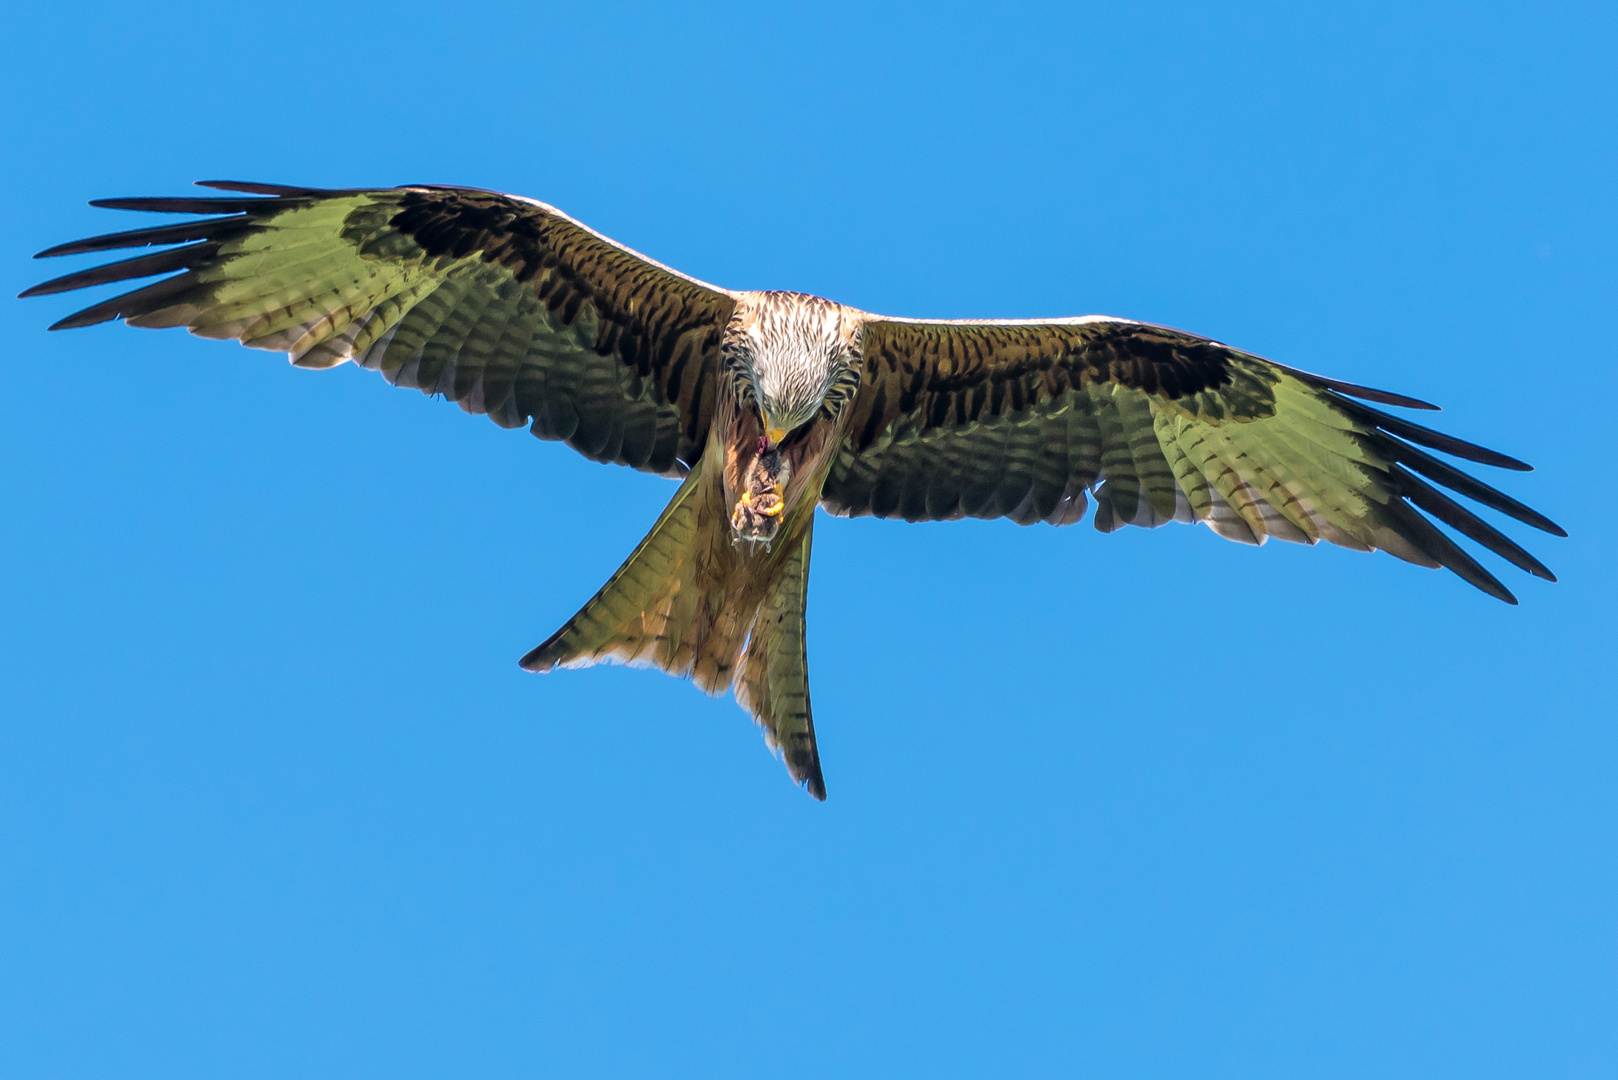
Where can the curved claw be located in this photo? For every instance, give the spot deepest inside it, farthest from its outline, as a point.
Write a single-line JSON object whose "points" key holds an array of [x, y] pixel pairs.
{"points": [[778, 502]]}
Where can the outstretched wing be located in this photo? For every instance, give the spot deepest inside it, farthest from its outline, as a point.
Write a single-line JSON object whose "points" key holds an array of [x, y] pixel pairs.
{"points": [[1021, 419], [504, 305]]}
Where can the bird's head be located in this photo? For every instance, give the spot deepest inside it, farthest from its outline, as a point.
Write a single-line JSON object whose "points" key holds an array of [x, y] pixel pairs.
{"points": [[793, 355]]}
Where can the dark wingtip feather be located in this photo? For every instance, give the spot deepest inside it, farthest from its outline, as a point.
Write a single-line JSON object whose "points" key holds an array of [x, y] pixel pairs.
{"points": [[1457, 517], [72, 247], [218, 228], [1381, 397], [1470, 570], [1426, 436], [248, 187], [170, 205], [140, 302], [282, 191], [46, 288], [88, 317], [1426, 536], [158, 262], [1448, 475]]}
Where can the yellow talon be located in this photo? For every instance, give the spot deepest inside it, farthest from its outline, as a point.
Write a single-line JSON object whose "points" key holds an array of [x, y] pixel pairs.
{"points": [[747, 498], [774, 510]]}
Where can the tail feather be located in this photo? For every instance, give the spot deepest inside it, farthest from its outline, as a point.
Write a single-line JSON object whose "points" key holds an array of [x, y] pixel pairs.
{"points": [[688, 602], [642, 615], [773, 680]]}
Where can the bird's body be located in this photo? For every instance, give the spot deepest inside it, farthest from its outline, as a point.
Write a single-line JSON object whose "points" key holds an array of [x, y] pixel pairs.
{"points": [[768, 405]]}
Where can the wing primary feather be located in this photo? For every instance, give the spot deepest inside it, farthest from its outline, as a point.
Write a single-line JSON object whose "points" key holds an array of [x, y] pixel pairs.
{"points": [[1457, 517], [1364, 393], [169, 205], [1426, 536], [127, 304], [207, 229], [159, 262], [1426, 436], [285, 191], [1448, 475]]}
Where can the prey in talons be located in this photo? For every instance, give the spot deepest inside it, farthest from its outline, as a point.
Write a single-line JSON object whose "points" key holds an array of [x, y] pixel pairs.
{"points": [[757, 514]]}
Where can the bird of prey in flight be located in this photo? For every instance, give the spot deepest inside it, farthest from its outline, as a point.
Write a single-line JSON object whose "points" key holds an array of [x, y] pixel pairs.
{"points": [[769, 404]]}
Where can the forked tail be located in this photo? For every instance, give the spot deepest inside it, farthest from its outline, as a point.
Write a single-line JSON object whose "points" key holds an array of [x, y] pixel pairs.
{"points": [[688, 602]]}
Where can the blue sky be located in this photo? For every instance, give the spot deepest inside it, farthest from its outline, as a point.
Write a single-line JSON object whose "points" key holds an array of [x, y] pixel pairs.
{"points": [[276, 800]]}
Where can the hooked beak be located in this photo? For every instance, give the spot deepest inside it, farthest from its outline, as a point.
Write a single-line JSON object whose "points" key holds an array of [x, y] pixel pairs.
{"points": [[775, 435]]}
